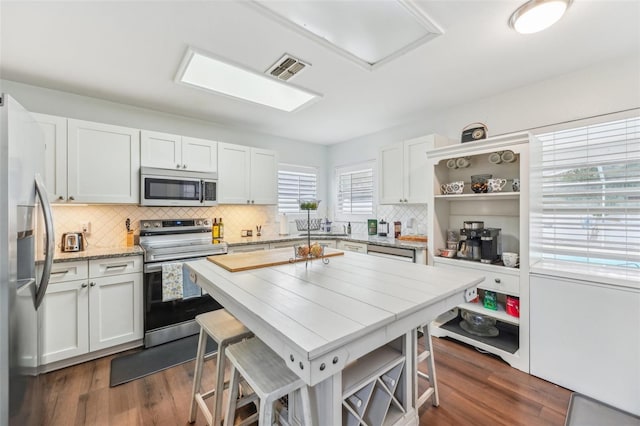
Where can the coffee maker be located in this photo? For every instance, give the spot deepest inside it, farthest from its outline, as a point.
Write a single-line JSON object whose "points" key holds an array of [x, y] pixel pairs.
{"points": [[491, 245], [470, 244]]}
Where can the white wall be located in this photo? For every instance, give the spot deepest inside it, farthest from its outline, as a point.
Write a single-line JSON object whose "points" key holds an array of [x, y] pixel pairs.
{"points": [[603, 88]]}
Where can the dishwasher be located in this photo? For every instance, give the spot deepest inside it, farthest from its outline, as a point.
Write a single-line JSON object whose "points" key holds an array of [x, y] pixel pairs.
{"points": [[402, 254]]}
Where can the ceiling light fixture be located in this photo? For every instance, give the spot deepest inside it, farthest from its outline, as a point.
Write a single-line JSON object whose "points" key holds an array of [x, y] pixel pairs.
{"points": [[536, 15], [204, 71]]}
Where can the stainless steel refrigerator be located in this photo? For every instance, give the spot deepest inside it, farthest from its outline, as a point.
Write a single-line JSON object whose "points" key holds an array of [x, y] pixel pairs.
{"points": [[23, 199]]}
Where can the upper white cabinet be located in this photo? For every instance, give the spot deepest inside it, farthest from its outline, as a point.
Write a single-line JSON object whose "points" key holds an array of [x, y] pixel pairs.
{"points": [[403, 172], [247, 175], [103, 163], [167, 151], [55, 134]]}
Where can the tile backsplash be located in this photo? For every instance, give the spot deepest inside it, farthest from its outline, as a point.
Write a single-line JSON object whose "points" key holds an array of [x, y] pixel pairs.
{"points": [[108, 221]]}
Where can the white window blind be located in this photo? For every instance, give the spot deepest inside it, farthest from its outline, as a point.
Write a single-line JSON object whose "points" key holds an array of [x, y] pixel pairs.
{"points": [[355, 189], [295, 183], [591, 194]]}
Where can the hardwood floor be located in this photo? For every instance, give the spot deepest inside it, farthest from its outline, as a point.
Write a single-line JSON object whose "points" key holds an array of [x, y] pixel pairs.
{"points": [[475, 389]]}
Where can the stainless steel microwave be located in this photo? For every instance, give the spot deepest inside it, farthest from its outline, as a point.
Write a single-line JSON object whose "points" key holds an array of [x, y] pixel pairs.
{"points": [[167, 187]]}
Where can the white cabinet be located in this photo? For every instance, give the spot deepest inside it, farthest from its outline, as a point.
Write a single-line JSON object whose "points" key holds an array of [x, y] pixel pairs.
{"points": [[90, 306], [245, 248], [507, 210], [403, 171], [167, 151], [247, 175], [55, 136], [103, 163]]}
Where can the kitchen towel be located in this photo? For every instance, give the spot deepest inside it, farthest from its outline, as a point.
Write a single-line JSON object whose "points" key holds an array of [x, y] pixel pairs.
{"points": [[172, 288], [189, 288]]}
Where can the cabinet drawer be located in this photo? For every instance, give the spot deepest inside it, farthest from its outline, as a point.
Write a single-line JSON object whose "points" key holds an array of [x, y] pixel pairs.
{"points": [[351, 246], [67, 271], [115, 266], [502, 283], [286, 244]]}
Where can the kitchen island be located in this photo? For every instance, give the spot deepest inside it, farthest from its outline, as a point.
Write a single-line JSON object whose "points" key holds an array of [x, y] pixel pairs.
{"points": [[321, 318]]}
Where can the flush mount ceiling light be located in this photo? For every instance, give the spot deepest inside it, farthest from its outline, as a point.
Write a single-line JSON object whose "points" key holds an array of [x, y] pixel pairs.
{"points": [[536, 15], [218, 75], [369, 33]]}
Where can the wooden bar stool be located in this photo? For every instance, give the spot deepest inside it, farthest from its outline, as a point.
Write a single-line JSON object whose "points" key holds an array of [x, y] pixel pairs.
{"points": [[224, 329], [269, 377], [430, 376]]}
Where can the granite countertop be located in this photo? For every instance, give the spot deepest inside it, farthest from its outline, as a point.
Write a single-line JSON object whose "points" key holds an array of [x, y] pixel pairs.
{"points": [[96, 253], [360, 238]]}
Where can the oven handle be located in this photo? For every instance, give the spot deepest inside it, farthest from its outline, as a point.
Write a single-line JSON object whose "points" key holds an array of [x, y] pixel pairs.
{"points": [[157, 267]]}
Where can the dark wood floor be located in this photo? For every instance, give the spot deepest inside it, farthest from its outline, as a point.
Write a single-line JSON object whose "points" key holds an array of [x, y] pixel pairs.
{"points": [[475, 389]]}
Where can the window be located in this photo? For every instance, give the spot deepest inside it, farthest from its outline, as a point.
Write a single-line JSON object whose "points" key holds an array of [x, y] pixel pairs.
{"points": [[294, 183], [591, 194], [355, 189]]}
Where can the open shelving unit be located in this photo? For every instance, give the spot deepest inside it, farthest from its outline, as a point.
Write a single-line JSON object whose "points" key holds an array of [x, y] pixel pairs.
{"points": [[507, 210]]}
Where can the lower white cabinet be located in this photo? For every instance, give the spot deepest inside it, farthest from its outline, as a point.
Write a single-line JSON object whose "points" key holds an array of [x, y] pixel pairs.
{"points": [[351, 246], [89, 306], [245, 248]]}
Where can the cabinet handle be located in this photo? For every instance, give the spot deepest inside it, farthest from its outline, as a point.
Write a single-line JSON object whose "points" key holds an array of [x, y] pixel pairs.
{"points": [[248, 201], [497, 280], [71, 198], [184, 166], [116, 266], [83, 285], [92, 284], [405, 200], [60, 272], [252, 201], [61, 198], [177, 166], [400, 200]]}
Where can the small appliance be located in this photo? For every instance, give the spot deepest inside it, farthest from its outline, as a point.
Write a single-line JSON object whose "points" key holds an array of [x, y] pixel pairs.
{"points": [[383, 228], [469, 246], [179, 188], [72, 241], [491, 245]]}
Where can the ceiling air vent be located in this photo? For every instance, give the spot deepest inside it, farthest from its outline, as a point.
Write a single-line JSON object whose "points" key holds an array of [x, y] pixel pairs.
{"points": [[286, 67]]}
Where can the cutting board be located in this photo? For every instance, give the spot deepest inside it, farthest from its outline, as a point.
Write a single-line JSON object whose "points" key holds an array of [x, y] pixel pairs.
{"points": [[235, 262]]}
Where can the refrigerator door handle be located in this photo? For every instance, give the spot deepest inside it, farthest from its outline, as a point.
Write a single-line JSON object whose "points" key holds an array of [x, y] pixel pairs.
{"points": [[41, 190]]}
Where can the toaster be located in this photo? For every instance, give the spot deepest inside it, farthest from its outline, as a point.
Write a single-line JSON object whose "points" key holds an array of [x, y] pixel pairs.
{"points": [[72, 241]]}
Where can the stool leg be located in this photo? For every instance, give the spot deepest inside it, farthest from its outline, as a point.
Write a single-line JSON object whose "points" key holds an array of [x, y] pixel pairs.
{"points": [[233, 397], [217, 414], [431, 365], [197, 375], [306, 406]]}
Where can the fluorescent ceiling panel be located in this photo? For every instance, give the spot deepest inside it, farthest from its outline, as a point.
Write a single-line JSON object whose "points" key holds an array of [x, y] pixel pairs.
{"points": [[220, 76], [368, 32]]}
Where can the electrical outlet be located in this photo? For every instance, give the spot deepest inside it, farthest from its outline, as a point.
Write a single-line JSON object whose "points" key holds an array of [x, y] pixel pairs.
{"points": [[471, 294], [85, 227]]}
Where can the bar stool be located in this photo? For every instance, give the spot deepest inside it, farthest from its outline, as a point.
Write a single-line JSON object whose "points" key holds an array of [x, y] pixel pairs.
{"points": [[269, 377], [224, 329], [430, 376]]}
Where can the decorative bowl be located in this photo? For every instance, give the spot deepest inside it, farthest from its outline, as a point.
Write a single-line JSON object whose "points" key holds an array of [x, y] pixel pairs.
{"points": [[447, 252], [309, 204], [308, 225], [479, 183], [478, 322]]}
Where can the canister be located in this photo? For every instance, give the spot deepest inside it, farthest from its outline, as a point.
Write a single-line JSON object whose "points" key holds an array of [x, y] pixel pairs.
{"points": [[372, 226]]}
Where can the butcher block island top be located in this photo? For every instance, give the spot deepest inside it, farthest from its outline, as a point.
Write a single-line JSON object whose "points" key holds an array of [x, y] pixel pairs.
{"points": [[320, 318], [235, 262]]}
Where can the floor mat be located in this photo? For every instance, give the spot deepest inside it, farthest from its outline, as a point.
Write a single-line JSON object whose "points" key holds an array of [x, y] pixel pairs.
{"points": [[585, 411], [133, 366]]}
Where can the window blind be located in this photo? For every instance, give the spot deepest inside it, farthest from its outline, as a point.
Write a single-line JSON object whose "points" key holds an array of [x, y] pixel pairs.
{"points": [[355, 190], [293, 186], [591, 194]]}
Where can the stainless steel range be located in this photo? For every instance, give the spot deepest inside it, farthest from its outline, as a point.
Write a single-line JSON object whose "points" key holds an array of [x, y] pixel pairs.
{"points": [[167, 244]]}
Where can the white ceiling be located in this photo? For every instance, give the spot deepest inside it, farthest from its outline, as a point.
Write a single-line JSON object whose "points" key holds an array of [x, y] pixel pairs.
{"points": [[129, 52]]}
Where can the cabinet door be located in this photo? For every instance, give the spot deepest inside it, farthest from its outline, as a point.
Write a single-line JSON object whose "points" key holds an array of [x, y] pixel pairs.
{"points": [[391, 171], [161, 150], [115, 306], [264, 176], [103, 163], [416, 172], [234, 174], [64, 321], [55, 136], [199, 155]]}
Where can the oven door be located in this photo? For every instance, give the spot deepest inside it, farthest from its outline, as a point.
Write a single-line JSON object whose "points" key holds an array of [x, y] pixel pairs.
{"points": [[174, 319], [159, 190]]}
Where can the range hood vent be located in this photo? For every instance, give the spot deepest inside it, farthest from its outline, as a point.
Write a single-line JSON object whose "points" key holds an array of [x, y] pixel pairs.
{"points": [[286, 67]]}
